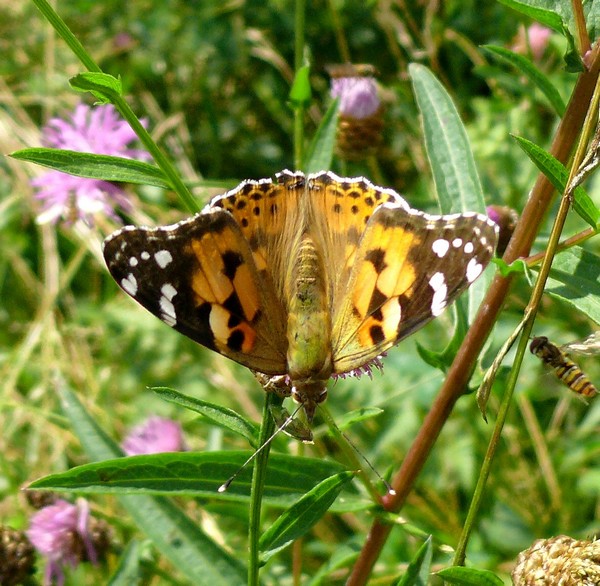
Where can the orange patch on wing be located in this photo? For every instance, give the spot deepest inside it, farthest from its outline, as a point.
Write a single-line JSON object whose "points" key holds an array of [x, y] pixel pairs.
{"points": [[388, 325], [245, 287], [367, 278], [217, 284]]}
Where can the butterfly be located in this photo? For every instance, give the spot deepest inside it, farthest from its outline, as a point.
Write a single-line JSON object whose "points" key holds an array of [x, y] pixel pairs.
{"points": [[563, 367], [302, 277]]}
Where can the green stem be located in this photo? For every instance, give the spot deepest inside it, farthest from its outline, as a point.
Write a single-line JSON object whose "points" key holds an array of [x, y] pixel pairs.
{"points": [[298, 61], [256, 491], [120, 104]]}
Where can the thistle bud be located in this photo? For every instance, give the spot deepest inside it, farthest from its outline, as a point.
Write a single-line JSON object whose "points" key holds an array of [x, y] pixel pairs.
{"points": [[17, 557], [360, 121], [507, 219], [558, 561]]}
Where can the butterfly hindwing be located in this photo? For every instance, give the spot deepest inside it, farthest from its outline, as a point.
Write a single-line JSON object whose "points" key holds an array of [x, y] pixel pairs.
{"points": [[408, 267], [199, 277]]}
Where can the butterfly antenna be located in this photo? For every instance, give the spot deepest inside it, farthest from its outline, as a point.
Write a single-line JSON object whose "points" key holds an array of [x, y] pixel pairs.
{"points": [[288, 420], [387, 485]]}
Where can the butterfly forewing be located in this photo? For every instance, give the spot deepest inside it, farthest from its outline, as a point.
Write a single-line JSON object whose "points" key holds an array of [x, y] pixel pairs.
{"points": [[199, 277], [268, 213]]}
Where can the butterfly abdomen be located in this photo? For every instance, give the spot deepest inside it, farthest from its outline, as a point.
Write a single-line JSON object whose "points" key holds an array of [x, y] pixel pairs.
{"points": [[564, 368], [308, 313]]}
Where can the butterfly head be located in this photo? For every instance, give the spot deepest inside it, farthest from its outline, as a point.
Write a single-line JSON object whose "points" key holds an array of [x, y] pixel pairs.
{"points": [[309, 394]]}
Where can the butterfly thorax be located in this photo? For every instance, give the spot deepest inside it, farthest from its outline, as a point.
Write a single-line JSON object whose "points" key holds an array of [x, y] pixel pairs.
{"points": [[308, 325]]}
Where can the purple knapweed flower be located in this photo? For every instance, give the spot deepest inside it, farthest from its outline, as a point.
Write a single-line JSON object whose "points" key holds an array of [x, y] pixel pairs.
{"points": [[358, 96], [61, 533], [154, 436], [360, 119], [97, 130]]}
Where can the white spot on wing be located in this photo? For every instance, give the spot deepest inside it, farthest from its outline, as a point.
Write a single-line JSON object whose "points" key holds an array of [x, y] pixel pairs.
{"points": [[130, 285], [133, 262], [163, 258], [145, 255], [457, 242], [167, 309], [440, 292], [469, 247], [474, 269], [440, 247]]}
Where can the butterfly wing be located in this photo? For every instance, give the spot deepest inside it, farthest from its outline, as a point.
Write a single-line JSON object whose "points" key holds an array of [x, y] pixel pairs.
{"points": [[340, 209], [269, 215], [407, 268], [200, 277]]}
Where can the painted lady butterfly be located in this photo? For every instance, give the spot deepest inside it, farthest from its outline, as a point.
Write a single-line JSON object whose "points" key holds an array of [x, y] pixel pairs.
{"points": [[305, 276]]}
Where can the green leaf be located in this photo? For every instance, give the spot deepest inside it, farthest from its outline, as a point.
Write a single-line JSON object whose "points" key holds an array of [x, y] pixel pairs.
{"points": [[558, 175], [129, 570], [222, 416], [574, 280], [104, 167], [180, 540], [342, 557], [454, 172], [320, 152], [546, 17], [103, 86], [302, 515], [300, 94], [196, 474], [417, 573], [532, 73], [469, 577], [518, 267]]}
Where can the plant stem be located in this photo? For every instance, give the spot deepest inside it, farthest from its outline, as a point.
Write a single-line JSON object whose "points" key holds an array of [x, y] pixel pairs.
{"points": [[298, 61], [120, 104], [258, 480]]}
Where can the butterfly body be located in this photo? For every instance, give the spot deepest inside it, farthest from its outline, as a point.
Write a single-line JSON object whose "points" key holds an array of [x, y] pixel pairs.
{"points": [[303, 277], [563, 367]]}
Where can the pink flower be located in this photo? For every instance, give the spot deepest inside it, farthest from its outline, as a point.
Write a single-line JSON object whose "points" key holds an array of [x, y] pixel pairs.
{"points": [[358, 96], [536, 40], [154, 436], [61, 533], [97, 130]]}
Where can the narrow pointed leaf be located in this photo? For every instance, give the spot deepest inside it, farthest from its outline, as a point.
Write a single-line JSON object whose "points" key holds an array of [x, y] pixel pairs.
{"points": [[300, 92], [546, 17], [527, 68], [419, 568], [462, 576], [129, 570], [104, 86], [320, 152], [455, 175], [558, 175], [104, 167], [196, 474], [302, 515], [222, 416]]}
